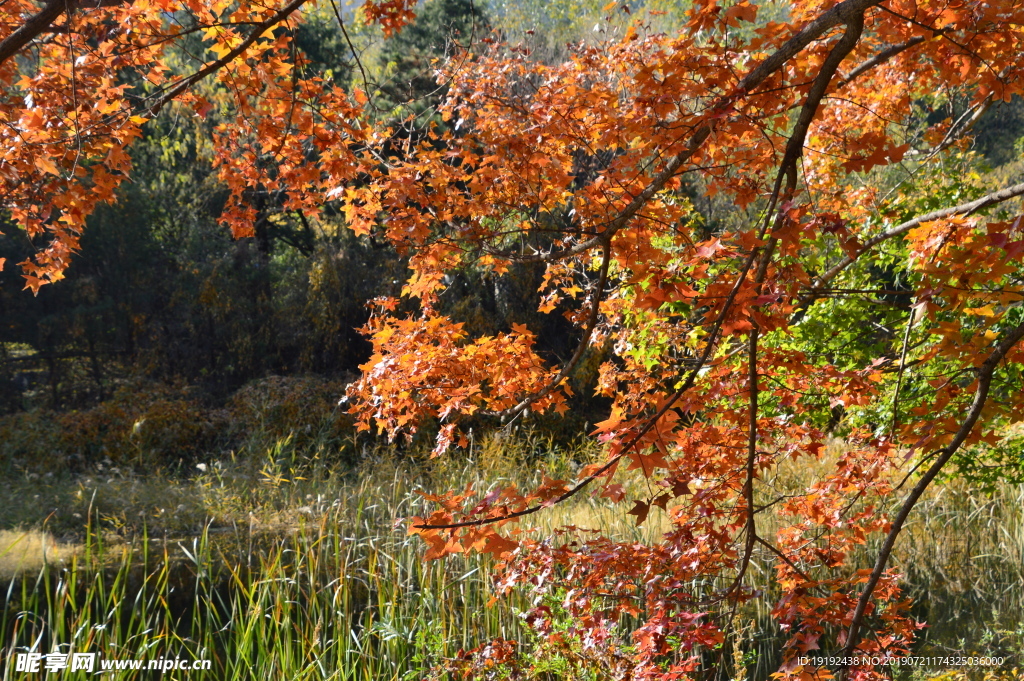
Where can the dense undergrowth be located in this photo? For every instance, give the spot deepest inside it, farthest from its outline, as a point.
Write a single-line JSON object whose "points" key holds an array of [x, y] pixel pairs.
{"points": [[146, 425]]}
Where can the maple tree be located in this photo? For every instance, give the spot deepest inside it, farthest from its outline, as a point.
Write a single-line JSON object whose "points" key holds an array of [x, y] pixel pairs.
{"points": [[716, 337]]}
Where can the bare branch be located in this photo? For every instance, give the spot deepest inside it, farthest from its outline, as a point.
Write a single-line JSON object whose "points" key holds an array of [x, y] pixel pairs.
{"points": [[899, 375], [351, 47]]}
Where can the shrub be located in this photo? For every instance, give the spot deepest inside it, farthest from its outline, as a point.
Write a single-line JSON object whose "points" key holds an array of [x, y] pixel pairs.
{"points": [[143, 424], [303, 407]]}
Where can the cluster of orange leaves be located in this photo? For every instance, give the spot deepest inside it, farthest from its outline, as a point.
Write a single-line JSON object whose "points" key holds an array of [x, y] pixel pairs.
{"points": [[68, 114]]}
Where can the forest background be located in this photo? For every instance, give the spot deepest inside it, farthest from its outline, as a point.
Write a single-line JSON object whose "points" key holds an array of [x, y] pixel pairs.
{"points": [[179, 381], [163, 294]]}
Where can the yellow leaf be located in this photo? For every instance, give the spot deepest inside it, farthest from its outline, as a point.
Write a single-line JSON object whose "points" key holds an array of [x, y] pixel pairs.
{"points": [[107, 106], [44, 163], [220, 49]]}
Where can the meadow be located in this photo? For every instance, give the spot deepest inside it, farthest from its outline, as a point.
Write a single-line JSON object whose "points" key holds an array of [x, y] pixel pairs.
{"points": [[280, 563]]}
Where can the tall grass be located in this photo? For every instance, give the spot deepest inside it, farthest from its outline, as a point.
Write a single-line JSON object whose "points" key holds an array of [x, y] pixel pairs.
{"points": [[338, 596], [304, 575], [275, 566]]}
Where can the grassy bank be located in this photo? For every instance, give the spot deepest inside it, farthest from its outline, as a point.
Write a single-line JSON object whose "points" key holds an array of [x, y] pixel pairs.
{"points": [[277, 565]]}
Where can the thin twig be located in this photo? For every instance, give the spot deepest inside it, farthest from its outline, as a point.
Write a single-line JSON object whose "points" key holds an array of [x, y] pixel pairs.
{"points": [[351, 47], [968, 208], [899, 375]]}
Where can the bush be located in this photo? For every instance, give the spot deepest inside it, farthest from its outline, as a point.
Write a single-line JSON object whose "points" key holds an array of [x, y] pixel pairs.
{"points": [[143, 424], [146, 424], [303, 407]]}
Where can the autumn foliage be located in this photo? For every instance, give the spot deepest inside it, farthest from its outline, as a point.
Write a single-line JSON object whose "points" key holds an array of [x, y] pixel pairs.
{"points": [[715, 336]]}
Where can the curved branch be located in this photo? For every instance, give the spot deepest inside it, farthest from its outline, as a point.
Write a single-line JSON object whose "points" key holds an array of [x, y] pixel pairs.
{"points": [[843, 13], [985, 373], [963, 209], [795, 145]]}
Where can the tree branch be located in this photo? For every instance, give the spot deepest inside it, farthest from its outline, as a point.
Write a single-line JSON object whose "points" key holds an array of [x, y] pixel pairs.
{"points": [[844, 12], [880, 58], [41, 22], [985, 373], [751, 468], [899, 375], [963, 209], [31, 29], [215, 66], [795, 145]]}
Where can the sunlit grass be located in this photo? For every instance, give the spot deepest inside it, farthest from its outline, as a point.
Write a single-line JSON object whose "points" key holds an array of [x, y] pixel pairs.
{"points": [[29, 551], [278, 564]]}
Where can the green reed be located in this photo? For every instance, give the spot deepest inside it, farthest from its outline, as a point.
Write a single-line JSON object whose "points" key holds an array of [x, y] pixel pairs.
{"points": [[300, 572]]}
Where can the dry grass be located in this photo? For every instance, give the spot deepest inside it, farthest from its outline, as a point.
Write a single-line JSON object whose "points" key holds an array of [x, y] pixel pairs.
{"points": [[205, 558], [29, 551]]}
